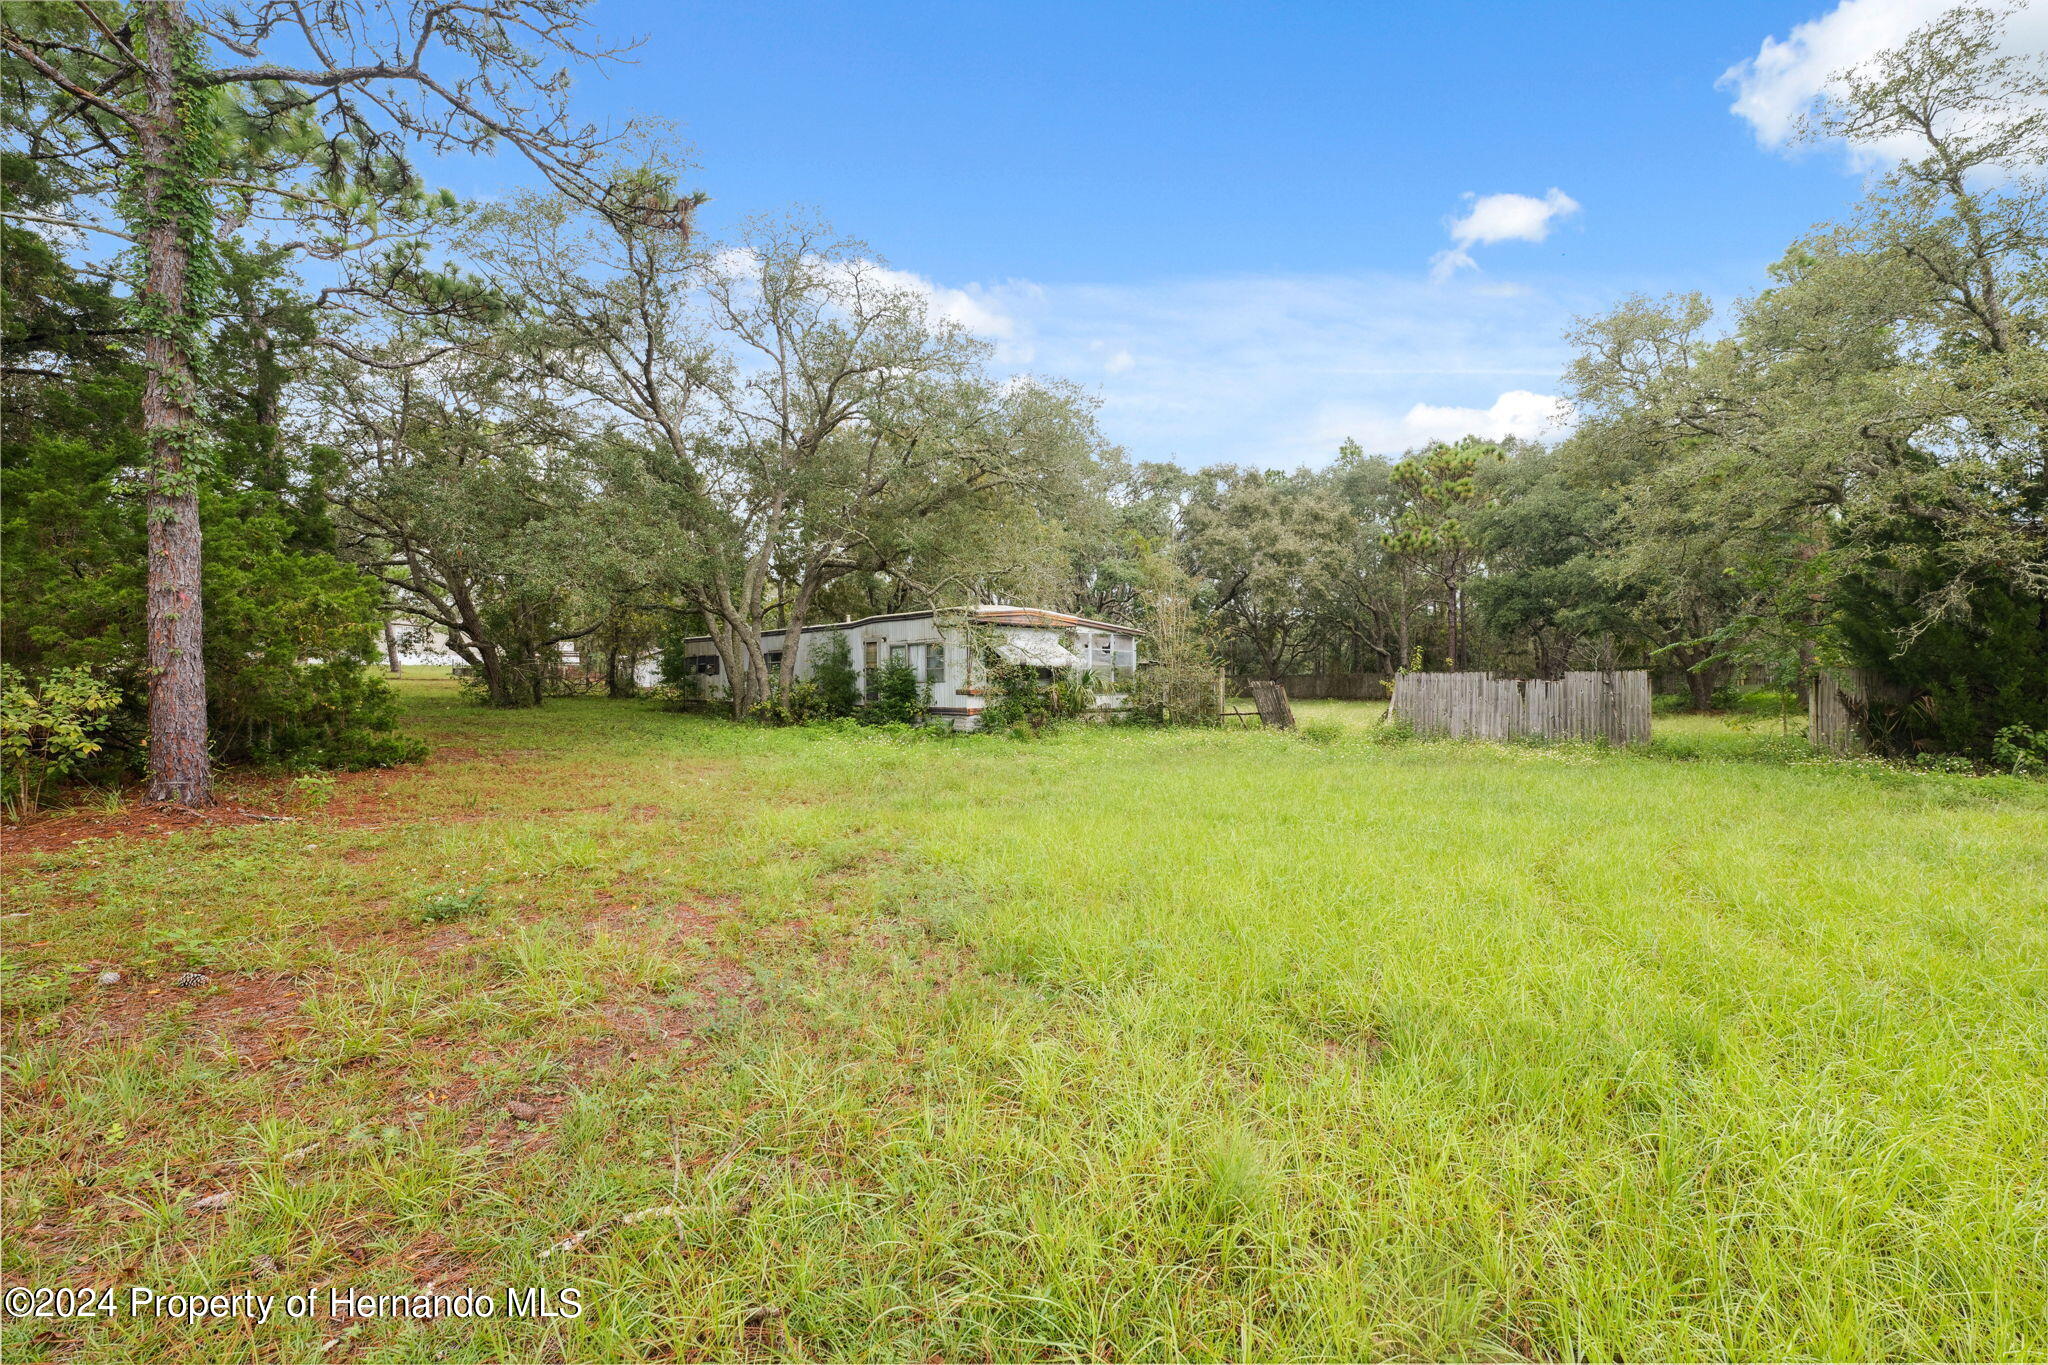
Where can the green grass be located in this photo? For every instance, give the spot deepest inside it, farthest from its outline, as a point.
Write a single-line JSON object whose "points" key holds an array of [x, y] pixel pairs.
{"points": [[1117, 1044]]}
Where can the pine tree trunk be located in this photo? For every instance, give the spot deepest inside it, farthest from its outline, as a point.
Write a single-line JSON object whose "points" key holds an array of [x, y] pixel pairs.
{"points": [[391, 649], [1457, 627], [180, 768], [1401, 638]]}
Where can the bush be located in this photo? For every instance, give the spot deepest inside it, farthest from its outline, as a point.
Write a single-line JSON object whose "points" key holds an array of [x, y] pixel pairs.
{"points": [[50, 729], [798, 704], [337, 715], [897, 697], [836, 679], [291, 632], [1392, 729], [1962, 680], [355, 749], [1019, 700], [2019, 750], [1177, 685]]}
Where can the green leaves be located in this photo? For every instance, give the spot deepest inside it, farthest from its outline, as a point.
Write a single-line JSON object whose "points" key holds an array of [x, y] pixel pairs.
{"points": [[50, 728]]}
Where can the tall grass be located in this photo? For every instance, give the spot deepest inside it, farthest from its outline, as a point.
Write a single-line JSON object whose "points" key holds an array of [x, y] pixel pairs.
{"points": [[1118, 1044]]}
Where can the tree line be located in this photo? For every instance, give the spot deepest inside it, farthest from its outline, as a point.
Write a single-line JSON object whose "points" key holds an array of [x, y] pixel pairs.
{"points": [[1846, 470], [266, 391]]}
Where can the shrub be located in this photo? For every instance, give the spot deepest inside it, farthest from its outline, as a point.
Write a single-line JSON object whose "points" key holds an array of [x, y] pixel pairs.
{"points": [[1071, 696], [1019, 699], [314, 789], [1392, 729], [341, 716], [897, 697], [2019, 749], [1962, 680], [836, 679], [798, 704], [50, 729], [291, 631], [1177, 685]]}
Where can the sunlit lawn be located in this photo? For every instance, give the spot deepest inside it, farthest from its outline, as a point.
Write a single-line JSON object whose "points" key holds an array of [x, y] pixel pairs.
{"points": [[1121, 1045]]}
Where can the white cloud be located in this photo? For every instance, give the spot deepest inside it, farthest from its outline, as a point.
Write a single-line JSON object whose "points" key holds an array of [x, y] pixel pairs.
{"points": [[1518, 412], [1112, 359], [1777, 86], [974, 307], [1278, 370], [1496, 218]]}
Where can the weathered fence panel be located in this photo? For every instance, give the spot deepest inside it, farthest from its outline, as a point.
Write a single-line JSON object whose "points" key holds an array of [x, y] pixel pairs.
{"points": [[1271, 699], [1834, 708], [1846, 709], [1611, 706]]}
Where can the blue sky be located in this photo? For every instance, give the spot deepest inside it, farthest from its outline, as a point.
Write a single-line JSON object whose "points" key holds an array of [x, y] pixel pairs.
{"points": [[1223, 218]]}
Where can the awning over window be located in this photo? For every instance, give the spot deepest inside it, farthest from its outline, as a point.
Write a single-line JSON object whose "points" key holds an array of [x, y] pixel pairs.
{"points": [[1037, 653]]}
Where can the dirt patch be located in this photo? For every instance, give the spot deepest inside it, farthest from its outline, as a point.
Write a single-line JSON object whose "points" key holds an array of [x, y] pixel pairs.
{"points": [[50, 833], [249, 1013], [358, 799], [1367, 1047]]}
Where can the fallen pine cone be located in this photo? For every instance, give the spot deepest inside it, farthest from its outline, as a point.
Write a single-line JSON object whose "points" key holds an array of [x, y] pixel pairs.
{"points": [[192, 979]]}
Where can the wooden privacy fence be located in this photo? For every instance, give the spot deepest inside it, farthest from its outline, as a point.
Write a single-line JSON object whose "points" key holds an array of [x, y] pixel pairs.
{"points": [[1847, 708], [1835, 705], [1614, 707]]}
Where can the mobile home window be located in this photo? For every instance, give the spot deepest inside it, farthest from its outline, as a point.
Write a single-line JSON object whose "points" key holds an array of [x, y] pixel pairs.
{"points": [[867, 656], [934, 663], [899, 654]]}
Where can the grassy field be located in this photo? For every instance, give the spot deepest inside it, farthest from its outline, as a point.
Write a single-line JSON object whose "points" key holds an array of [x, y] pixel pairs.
{"points": [[1115, 1045]]}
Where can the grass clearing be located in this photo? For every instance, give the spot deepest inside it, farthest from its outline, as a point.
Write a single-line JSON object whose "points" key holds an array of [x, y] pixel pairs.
{"points": [[1125, 1045]]}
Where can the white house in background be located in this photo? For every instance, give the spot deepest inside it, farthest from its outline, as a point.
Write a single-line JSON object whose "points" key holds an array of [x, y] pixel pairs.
{"points": [[936, 646], [420, 644]]}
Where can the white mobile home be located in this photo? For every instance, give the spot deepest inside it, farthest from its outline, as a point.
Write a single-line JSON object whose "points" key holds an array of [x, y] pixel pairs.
{"points": [[935, 644]]}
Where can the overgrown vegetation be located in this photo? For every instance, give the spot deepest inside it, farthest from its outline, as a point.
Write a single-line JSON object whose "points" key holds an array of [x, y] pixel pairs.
{"points": [[590, 427], [1115, 1044], [51, 729], [290, 627], [1181, 680]]}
